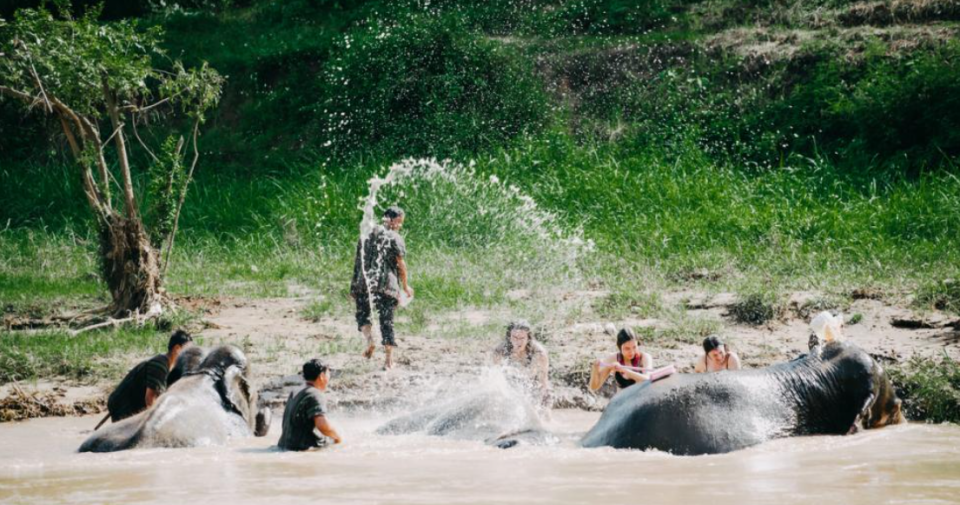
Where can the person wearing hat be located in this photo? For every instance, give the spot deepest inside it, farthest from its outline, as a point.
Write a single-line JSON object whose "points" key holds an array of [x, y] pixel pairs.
{"points": [[521, 350], [308, 410], [379, 278], [716, 357]]}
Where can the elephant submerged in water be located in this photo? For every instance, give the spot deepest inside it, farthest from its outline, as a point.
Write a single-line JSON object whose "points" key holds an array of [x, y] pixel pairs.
{"points": [[207, 402], [835, 389]]}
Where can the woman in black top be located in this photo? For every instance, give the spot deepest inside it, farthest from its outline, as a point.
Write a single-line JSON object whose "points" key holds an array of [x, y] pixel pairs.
{"points": [[629, 366]]}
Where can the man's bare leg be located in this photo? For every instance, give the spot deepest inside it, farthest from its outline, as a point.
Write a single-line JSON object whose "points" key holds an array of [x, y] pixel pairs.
{"points": [[367, 331], [388, 364]]}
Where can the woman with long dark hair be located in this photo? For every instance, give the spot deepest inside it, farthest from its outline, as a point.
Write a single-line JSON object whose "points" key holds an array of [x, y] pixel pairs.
{"points": [[716, 357], [629, 366], [521, 350]]}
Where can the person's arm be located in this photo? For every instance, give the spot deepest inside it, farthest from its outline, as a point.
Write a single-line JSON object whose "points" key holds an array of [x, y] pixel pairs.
{"points": [[733, 361], [150, 397], [630, 374], [599, 372], [402, 271], [326, 428], [646, 365]]}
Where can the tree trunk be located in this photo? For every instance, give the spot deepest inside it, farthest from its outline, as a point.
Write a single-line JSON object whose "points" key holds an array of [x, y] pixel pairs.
{"points": [[130, 267]]}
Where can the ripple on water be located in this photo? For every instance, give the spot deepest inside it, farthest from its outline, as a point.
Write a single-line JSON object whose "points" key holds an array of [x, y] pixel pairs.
{"points": [[910, 464]]}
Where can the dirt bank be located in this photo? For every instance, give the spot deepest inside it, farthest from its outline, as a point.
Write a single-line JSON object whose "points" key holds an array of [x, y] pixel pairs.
{"points": [[453, 345]]}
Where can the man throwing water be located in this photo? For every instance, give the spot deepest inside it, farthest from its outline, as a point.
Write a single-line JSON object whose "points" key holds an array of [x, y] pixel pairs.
{"points": [[379, 275]]}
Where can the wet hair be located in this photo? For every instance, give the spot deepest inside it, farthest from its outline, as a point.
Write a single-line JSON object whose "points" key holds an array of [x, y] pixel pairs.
{"points": [[520, 324], [625, 335], [710, 343], [393, 212], [312, 369], [180, 338]]}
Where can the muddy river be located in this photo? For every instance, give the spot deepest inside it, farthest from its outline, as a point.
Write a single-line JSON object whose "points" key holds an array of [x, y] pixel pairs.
{"points": [[905, 464]]}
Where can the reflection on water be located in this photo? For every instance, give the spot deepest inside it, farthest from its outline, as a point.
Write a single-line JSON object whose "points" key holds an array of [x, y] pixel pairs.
{"points": [[902, 464]]}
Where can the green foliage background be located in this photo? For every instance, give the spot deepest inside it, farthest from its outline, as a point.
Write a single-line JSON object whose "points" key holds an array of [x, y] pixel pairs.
{"points": [[775, 145]]}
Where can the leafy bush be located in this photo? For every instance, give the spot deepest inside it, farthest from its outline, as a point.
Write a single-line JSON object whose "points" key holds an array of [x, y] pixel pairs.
{"points": [[756, 308], [929, 388]]}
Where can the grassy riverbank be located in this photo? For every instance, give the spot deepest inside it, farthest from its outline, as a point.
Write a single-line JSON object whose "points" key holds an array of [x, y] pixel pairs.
{"points": [[630, 156]]}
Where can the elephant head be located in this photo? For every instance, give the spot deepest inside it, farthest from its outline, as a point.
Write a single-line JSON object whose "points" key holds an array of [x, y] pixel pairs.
{"points": [[211, 400], [858, 372]]}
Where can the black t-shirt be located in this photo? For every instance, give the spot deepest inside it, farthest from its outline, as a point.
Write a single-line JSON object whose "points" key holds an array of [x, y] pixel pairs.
{"points": [[130, 396], [298, 424]]}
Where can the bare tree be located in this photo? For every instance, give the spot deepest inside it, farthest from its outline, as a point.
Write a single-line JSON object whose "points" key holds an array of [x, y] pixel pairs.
{"points": [[100, 82]]}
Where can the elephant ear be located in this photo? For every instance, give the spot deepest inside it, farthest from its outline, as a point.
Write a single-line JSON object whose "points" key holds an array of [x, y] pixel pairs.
{"points": [[235, 392]]}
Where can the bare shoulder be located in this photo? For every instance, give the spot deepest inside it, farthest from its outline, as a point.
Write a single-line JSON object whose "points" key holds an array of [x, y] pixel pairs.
{"points": [[539, 349], [701, 365], [733, 361]]}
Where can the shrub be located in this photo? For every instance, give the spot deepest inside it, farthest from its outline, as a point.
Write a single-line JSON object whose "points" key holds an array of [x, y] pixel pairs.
{"points": [[929, 388], [756, 309]]}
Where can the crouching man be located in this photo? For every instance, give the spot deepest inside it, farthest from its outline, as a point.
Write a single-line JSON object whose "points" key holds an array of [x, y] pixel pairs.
{"points": [[308, 410]]}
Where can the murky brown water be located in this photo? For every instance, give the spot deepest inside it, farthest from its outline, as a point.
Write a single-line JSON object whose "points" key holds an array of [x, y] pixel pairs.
{"points": [[904, 464]]}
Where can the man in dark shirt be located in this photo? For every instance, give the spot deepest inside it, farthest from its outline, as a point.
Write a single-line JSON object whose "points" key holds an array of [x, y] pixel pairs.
{"points": [[379, 274], [146, 381], [307, 410]]}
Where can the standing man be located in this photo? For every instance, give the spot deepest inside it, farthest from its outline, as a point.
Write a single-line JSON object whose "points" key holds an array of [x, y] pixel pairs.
{"points": [[379, 273], [308, 410], [146, 381]]}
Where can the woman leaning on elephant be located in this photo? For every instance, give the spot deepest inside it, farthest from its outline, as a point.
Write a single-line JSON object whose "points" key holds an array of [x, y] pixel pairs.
{"points": [[628, 366], [716, 357]]}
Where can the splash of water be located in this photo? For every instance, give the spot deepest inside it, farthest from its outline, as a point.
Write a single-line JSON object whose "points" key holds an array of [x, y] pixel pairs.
{"points": [[460, 218], [495, 403]]}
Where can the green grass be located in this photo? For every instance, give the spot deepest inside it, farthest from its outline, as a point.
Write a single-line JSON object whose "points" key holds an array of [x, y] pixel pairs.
{"points": [[617, 123], [86, 357], [940, 294], [929, 388]]}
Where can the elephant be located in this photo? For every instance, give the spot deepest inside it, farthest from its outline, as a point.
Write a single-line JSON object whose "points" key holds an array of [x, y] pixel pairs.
{"points": [[837, 388], [208, 402]]}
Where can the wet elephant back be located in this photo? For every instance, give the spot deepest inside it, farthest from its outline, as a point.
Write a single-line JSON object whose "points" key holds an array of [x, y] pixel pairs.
{"points": [[694, 414]]}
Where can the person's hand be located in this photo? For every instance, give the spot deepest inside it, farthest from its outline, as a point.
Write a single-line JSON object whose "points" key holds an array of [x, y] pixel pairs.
{"points": [[409, 291]]}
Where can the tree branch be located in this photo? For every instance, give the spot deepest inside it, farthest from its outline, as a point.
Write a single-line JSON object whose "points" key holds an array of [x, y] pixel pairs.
{"points": [[19, 95], [183, 197], [89, 132], [130, 201], [98, 201], [89, 186], [133, 123], [134, 108]]}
